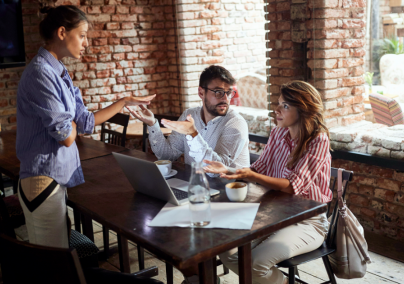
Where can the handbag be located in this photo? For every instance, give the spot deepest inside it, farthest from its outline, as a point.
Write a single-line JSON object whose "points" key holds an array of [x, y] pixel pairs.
{"points": [[351, 256]]}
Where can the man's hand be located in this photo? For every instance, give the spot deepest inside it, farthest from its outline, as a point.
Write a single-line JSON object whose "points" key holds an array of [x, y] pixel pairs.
{"points": [[215, 167], [246, 174], [134, 101], [144, 115], [183, 127]]}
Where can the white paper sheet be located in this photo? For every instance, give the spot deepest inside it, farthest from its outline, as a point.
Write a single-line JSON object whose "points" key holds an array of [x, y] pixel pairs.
{"points": [[227, 215]]}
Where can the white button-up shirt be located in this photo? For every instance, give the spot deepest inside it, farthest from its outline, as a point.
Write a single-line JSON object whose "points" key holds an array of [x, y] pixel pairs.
{"points": [[223, 139]]}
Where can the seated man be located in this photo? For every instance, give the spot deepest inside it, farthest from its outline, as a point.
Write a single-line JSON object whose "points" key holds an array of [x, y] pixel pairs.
{"points": [[213, 131]]}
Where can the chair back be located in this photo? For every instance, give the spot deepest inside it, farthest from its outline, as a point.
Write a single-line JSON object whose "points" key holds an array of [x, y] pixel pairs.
{"points": [[259, 139], [159, 117], [346, 178], [386, 110], [27, 263], [112, 136], [253, 90]]}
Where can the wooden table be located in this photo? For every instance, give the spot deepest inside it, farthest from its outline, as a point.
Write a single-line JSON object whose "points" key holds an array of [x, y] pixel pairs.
{"points": [[10, 165], [135, 130], [108, 198]]}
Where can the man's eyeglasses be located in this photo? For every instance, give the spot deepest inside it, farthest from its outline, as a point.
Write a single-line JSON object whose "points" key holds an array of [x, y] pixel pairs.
{"points": [[220, 93]]}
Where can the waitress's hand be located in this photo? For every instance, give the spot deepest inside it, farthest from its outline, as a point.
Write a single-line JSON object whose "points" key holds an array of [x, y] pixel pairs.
{"points": [[144, 115], [134, 101], [215, 167], [245, 174]]}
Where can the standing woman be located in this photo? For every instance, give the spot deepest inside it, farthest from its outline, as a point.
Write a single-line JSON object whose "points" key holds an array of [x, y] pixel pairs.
{"points": [[50, 115], [296, 160]]}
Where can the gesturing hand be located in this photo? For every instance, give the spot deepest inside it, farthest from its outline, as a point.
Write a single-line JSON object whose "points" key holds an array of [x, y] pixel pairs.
{"points": [[184, 127], [145, 115], [134, 101], [246, 174], [214, 167]]}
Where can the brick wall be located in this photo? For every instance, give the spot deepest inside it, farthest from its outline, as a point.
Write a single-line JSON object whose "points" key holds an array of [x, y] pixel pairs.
{"points": [[132, 52], [229, 33], [334, 32], [376, 197]]}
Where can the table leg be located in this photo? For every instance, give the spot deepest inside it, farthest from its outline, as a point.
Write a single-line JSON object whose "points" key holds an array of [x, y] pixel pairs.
{"points": [[140, 257], [87, 227], [15, 186], [245, 264], [207, 271], [77, 220], [169, 273], [123, 254]]}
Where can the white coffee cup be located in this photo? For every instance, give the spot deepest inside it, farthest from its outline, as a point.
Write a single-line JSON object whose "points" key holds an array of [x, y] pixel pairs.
{"points": [[237, 191], [164, 166]]}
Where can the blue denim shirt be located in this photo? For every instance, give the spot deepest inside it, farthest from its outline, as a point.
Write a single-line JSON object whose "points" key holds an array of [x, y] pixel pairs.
{"points": [[47, 103]]}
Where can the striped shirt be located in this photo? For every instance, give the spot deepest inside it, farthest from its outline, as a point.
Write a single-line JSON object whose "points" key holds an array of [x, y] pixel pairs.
{"points": [[310, 177], [47, 103], [223, 139]]}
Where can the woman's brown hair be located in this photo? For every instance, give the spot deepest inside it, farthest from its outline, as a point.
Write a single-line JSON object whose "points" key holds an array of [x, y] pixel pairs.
{"points": [[309, 105], [67, 16]]}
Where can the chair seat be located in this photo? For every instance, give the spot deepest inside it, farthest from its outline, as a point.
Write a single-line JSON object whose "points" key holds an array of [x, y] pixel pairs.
{"points": [[300, 259], [83, 245]]}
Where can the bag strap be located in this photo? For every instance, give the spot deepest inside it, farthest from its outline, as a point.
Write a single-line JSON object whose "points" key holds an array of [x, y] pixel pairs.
{"points": [[340, 189]]}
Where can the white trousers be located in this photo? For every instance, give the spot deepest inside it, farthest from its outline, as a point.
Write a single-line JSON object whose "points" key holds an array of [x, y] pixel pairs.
{"points": [[291, 241], [47, 224]]}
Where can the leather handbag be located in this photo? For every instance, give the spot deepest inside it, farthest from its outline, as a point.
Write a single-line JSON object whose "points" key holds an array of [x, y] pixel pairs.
{"points": [[351, 256]]}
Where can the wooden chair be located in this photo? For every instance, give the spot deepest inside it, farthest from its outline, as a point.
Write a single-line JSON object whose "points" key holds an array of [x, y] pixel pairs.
{"points": [[259, 139], [328, 246], [86, 249], [159, 117], [27, 263], [115, 137]]}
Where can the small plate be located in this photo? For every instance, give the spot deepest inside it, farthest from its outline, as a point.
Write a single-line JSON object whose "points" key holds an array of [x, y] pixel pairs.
{"points": [[171, 174]]}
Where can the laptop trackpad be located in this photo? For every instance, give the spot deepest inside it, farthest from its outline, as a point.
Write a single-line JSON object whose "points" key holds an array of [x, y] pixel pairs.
{"points": [[178, 184], [183, 185]]}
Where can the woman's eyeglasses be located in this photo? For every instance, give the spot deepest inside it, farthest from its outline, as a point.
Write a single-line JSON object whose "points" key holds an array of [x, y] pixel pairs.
{"points": [[220, 93]]}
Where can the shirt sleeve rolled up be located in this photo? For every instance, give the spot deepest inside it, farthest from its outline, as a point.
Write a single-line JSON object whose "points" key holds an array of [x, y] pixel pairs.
{"points": [[46, 99]]}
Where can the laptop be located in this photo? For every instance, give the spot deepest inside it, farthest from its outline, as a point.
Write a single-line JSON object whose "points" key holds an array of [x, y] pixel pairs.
{"points": [[146, 178]]}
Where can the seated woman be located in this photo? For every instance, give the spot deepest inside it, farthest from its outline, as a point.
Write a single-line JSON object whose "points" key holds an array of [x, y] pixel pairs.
{"points": [[296, 160]]}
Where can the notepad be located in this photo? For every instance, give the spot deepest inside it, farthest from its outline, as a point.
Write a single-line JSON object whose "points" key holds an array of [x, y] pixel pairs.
{"points": [[226, 215]]}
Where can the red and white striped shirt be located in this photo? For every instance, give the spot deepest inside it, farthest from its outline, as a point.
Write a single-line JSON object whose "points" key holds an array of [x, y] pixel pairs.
{"points": [[310, 177]]}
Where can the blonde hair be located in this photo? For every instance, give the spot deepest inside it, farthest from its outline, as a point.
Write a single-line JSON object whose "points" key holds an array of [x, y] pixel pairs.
{"points": [[309, 105]]}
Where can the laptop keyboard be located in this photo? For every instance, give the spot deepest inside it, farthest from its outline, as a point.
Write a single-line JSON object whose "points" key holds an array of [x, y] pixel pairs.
{"points": [[179, 194]]}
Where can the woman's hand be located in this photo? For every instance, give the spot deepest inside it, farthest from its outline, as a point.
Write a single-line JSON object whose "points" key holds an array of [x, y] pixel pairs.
{"points": [[144, 115], [245, 174], [215, 167], [134, 101]]}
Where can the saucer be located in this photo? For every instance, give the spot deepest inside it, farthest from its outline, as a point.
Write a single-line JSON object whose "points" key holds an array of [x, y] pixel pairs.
{"points": [[171, 174]]}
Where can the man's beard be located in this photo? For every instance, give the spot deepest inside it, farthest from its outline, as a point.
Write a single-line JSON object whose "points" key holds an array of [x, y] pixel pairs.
{"points": [[212, 108]]}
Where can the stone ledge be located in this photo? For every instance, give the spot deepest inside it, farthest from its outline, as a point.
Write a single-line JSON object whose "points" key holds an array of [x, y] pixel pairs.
{"points": [[258, 120], [369, 138]]}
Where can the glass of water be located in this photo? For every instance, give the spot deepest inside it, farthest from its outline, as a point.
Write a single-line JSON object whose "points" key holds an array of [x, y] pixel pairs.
{"points": [[199, 197]]}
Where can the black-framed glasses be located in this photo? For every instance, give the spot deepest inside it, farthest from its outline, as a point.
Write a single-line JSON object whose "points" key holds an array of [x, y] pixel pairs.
{"points": [[220, 93]]}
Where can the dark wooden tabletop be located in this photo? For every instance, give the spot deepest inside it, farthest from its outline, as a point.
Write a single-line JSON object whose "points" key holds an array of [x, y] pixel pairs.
{"points": [[10, 165], [108, 198]]}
